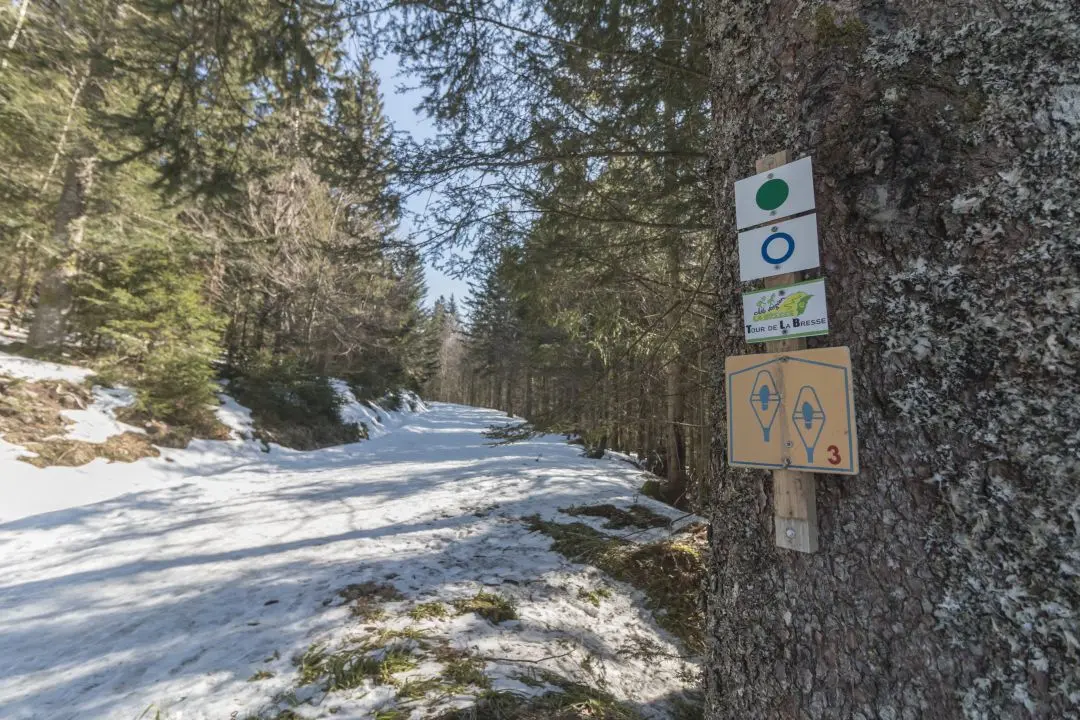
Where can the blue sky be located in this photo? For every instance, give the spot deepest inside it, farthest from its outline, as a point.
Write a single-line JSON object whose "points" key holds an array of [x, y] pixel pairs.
{"points": [[399, 108]]}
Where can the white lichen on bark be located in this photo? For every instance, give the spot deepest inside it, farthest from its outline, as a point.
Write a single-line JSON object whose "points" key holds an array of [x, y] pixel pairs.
{"points": [[946, 144], [992, 319]]}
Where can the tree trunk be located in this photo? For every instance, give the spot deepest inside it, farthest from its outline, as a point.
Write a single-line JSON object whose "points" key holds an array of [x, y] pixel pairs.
{"points": [[55, 292], [26, 248], [947, 171], [675, 488], [527, 412], [20, 18]]}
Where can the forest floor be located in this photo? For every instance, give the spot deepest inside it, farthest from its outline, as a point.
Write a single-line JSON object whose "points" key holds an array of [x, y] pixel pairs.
{"points": [[400, 577]]}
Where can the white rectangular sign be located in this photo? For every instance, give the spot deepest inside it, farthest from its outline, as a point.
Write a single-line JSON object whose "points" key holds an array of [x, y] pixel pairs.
{"points": [[787, 312], [775, 194], [783, 247]]}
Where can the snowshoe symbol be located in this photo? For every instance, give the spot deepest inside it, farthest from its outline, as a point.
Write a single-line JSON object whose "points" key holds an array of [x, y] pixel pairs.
{"points": [[809, 419], [765, 400]]}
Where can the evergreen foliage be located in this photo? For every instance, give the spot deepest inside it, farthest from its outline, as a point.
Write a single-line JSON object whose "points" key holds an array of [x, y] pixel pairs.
{"points": [[572, 168], [202, 190]]}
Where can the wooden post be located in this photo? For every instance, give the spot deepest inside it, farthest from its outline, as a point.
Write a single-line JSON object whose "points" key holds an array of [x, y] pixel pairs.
{"points": [[794, 493]]}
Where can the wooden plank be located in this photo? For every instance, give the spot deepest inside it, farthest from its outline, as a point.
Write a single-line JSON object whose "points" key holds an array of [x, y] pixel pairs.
{"points": [[794, 493]]}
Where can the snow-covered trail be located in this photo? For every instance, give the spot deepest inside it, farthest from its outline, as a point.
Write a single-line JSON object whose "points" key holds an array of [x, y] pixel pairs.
{"points": [[173, 595]]}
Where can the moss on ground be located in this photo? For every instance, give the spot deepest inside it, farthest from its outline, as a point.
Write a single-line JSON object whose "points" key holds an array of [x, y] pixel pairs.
{"points": [[429, 611], [205, 426], [127, 447], [637, 516], [350, 667], [490, 606], [670, 572], [392, 714], [382, 657], [464, 671], [30, 416], [594, 596], [367, 599], [662, 492], [416, 688], [573, 701]]}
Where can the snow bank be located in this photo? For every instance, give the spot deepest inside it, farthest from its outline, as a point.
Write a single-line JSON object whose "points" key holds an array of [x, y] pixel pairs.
{"points": [[377, 420], [26, 490], [12, 335], [234, 416], [226, 561], [20, 367], [98, 422], [166, 584]]}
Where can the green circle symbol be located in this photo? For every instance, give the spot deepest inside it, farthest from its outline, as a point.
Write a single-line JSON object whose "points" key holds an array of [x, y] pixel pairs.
{"points": [[772, 194]]}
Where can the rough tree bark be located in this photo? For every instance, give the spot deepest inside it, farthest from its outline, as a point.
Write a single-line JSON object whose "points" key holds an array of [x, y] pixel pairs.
{"points": [[55, 292], [946, 144]]}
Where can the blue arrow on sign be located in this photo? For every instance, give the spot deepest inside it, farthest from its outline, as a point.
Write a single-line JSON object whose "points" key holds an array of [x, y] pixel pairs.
{"points": [[809, 419], [765, 399]]}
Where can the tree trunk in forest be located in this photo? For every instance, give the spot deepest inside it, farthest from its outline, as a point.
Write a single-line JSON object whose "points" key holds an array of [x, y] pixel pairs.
{"points": [[527, 412], [20, 18], [704, 440], [55, 291], [508, 403], [675, 488], [27, 248], [945, 137]]}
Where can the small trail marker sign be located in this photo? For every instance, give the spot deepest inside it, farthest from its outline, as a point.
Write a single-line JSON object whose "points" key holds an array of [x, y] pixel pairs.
{"points": [[775, 194], [781, 247], [783, 313], [792, 411]]}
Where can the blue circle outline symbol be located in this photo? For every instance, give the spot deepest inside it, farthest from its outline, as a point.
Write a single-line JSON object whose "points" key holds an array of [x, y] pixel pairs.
{"points": [[777, 236]]}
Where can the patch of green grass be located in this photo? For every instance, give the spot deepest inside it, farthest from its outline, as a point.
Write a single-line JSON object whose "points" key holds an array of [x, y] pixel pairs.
{"points": [[309, 665], [384, 592], [393, 714], [466, 671], [490, 705], [429, 611], [651, 488], [574, 701], [670, 572], [366, 598], [594, 596], [637, 516], [410, 633], [490, 606], [529, 680], [367, 610], [261, 675], [416, 688], [394, 661], [349, 668]]}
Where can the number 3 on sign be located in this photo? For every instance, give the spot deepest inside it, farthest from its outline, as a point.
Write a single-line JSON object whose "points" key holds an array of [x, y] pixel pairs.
{"points": [[834, 455]]}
